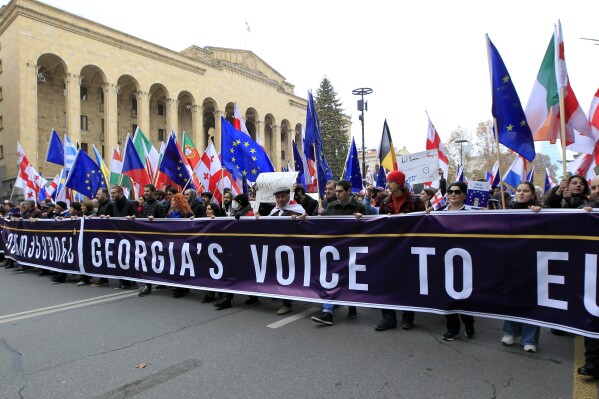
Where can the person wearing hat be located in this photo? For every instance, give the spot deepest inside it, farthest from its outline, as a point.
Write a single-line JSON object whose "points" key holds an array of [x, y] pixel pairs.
{"points": [[241, 207], [399, 201], [285, 206]]}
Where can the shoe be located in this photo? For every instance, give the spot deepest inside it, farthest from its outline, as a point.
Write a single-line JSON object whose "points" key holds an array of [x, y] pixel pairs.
{"points": [[450, 335], [180, 292], [19, 270], [82, 283], [325, 318], [100, 283], [122, 287], [407, 324], [146, 290], [223, 303], [352, 312], [58, 279], [9, 265], [251, 300], [530, 348], [589, 370], [284, 310], [556, 332], [383, 326], [208, 298], [508, 340], [43, 272], [469, 332]]}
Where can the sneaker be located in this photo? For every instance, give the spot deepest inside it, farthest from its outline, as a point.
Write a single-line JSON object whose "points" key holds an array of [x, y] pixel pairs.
{"points": [[407, 324], [352, 312], [146, 290], [470, 332], [251, 300], [19, 270], [530, 348], [100, 283], [208, 298], [122, 287], [450, 335], [284, 310], [81, 283], [223, 303], [383, 326], [325, 318], [508, 340]]}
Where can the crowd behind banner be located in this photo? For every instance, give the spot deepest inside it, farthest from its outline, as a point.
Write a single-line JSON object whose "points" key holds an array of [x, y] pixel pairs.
{"points": [[439, 262]]}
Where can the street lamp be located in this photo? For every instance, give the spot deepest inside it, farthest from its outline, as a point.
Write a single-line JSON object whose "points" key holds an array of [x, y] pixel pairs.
{"points": [[461, 143], [362, 106]]}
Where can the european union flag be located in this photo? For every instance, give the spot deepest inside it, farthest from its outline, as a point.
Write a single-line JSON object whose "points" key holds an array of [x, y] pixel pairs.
{"points": [[512, 128], [55, 152], [173, 166], [241, 155], [85, 177], [299, 165], [313, 146], [381, 179], [352, 168]]}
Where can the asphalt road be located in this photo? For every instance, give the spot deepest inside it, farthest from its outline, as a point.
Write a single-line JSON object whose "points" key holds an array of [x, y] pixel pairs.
{"points": [[64, 341]]}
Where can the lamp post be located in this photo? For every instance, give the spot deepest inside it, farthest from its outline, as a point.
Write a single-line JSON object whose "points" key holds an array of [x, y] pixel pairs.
{"points": [[461, 143], [362, 106]]}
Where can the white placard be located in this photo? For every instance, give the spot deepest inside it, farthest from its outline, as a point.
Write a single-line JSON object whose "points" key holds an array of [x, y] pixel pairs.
{"points": [[268, 182], [420, 167]]}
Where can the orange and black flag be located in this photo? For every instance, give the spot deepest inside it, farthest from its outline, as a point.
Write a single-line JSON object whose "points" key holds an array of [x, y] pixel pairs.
{"points": [[386, 150]]}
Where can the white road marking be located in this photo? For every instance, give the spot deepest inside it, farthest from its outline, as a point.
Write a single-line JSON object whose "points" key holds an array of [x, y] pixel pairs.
{"points": [[65, 306], [293, 318]]}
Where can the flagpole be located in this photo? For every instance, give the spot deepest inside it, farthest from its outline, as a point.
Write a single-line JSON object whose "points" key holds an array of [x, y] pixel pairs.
{"points": [[317, 179], [498, 163], [562, 113], [13, 192]]}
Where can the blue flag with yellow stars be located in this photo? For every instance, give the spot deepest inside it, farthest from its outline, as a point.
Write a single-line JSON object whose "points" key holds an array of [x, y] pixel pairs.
{"points": [[85, 177], [173, 166], [241, 155], [352, 168], [299, 165], [512, 128]]}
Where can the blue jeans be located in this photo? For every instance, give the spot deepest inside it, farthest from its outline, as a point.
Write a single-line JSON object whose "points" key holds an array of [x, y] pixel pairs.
{"points": [[529, 333]]}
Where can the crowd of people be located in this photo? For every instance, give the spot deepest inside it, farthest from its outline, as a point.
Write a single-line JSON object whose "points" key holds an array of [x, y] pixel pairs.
{"points": [[396, 198]]}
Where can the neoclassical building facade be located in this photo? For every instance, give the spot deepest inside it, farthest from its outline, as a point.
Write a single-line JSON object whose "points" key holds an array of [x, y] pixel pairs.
{"points": [[95, 84]]}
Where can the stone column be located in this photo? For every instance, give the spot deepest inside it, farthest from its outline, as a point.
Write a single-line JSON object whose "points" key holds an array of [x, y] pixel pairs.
{"points": [[110, 119], [172, 122], [259, 132], [28, 123], [275, 157], [73, 102], [290, 137], [197, 127], [217, 130], [143, 112]]}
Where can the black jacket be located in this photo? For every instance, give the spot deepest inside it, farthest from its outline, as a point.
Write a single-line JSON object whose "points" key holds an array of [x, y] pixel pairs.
{"points": [[123, 207], [153, 208]]}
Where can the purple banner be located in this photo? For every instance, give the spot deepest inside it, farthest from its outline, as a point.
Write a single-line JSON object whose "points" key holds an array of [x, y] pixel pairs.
{"points": [[46, 243], [539, 268]]}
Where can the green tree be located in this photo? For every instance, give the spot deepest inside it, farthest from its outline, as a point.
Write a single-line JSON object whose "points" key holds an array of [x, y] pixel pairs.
{"points": [[334, 129]]}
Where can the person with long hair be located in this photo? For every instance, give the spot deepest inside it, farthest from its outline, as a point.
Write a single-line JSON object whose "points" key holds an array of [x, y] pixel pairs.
{"points": [[526, 198], [179, 209]]}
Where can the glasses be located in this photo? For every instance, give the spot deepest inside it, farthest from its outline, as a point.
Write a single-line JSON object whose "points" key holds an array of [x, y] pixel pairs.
{"points": [[456, 192]]}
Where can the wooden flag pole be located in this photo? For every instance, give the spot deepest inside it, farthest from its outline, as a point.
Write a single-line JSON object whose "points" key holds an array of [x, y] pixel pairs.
{"points": [[562, 119], [498, 163]]}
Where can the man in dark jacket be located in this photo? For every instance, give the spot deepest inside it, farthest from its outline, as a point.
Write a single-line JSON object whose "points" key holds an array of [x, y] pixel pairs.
{"points": [[307, 202], [345, 205], [104, 203], [151, 209]]}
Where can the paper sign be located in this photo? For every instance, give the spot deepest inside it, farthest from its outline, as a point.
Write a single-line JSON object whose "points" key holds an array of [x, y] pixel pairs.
{"points": [[267, 182], [478, 194], [420, 167]]}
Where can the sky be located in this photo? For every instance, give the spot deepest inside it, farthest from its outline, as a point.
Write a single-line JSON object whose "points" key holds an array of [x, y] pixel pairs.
{"points": [[416, 56]]}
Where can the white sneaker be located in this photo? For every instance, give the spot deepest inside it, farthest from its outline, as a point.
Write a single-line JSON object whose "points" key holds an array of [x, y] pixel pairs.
{"points": [[507, 340], [284, 310], [530, 348]]}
